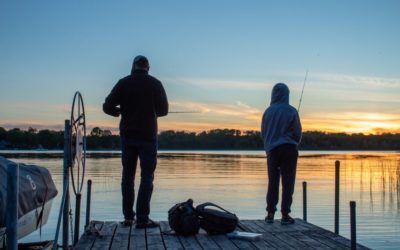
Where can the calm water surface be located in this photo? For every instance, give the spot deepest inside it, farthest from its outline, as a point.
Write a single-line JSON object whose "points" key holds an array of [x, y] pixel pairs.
{"points": [[237, 180]]}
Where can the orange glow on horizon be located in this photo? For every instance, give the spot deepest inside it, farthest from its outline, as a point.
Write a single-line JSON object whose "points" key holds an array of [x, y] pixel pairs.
{"points": [[250, 119], [352, 122]]}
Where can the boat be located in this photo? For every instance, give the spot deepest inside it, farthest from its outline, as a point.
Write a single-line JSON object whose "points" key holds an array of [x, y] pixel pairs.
{"points": [[36, 193]]}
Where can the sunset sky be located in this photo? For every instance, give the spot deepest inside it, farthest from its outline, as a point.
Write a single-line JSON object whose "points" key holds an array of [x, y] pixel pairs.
{"points": [[218, 58]]}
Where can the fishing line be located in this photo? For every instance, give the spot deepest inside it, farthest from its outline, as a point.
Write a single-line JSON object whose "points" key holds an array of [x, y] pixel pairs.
{"points": [[302, 91], [184, 112]]}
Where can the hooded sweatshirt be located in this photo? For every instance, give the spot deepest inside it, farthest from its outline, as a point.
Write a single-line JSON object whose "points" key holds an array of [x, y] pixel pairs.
{"points": [[280, 122]]}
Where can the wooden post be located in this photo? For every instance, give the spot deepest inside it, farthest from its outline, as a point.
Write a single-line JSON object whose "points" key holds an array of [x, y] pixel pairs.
{"points": [[337, 189], [353, 225], [77, 217], [304, 200], [88, 201], [12, 206], [67, 164]]}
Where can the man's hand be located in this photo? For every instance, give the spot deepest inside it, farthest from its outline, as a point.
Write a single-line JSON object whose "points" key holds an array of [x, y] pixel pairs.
{"points": [[117, 111]]}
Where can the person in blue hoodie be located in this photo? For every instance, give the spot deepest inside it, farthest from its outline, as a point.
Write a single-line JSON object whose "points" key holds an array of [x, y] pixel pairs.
{"points": [[281, 134]]}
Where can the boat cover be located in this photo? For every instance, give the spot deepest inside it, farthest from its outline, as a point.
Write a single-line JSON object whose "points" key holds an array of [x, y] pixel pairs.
{"points": [[35, 188]]}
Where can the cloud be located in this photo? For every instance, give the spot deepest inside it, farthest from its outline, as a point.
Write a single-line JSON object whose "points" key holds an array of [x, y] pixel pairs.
{"points": [[356, 116], [186, 106], [332, 78], [351, 93], [356, 80], [238, 109], [238, 115], [50, 116], [361, 88], [39, 109], [217, 83]]}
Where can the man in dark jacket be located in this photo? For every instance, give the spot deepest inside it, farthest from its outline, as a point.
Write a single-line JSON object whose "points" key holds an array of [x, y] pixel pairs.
{"points": [[281, 134], [139, 98]]}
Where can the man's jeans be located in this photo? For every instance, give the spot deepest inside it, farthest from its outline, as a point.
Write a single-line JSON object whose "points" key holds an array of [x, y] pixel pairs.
{"points": [[282, 161], [147, 153]]}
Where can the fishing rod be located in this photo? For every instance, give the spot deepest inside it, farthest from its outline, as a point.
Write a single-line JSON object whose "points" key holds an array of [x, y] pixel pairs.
{"points": [[184, 112], [302, 91]]}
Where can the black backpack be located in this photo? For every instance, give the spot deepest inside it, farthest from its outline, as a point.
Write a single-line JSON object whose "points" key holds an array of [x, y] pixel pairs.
{"points": [[182, 218], [215, 221]]}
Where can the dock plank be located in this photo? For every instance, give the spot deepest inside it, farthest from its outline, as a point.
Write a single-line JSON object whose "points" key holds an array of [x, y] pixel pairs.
{"points": [[154, 239], [223, 242], [190, 243], [340, 239], [259, 244], [305, 238], [326, 241], [269, 227], [170, 241], [292, 241], [265, 228], [121, 237], [87, 240], [300, 235], [251, 227], [205, 241], [277, 243], [137, 239], [107, 232], [307, 225], [278, 227], [243, 244]]}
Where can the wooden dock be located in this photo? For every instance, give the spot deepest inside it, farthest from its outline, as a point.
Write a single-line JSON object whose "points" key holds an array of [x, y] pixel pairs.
{"points": [[300, 235]]}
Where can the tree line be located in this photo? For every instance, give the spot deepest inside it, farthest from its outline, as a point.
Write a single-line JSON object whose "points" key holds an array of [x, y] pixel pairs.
{"points": [[216, 139]]}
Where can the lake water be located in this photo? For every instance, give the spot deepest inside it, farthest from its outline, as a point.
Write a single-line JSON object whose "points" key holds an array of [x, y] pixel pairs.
{"points": [[237, 180]]}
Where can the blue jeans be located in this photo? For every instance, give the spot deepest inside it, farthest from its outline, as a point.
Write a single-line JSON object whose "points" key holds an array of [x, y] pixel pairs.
{"points": [[147, 153], [282, 162]]}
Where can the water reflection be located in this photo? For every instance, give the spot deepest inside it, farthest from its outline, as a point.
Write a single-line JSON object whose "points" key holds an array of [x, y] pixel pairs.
{"points": [[239, 182], [376, 176]]}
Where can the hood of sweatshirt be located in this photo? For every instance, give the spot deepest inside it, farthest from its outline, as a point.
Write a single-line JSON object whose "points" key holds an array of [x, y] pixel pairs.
{"points": [[280, 94]]}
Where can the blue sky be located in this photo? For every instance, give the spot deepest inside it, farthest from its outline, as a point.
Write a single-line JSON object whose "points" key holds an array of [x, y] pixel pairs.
{"points": [[220, 58]]}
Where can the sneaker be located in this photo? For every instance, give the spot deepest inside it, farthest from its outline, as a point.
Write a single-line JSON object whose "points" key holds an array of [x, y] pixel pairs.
{"points": [[287, 220], [269, 218], [128, 223], [148, 224]]}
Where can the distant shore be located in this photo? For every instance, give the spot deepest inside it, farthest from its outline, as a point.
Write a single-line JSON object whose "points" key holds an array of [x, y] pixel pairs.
{"points": [[216, 139]]}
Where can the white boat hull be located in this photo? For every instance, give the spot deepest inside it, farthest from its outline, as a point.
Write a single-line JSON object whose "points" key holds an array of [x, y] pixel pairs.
{"points": [[28, 222]]}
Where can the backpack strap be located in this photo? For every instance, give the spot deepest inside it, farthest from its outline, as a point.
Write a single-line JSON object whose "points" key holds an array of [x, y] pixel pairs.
{"points": [[210, 204], [189, 201]]}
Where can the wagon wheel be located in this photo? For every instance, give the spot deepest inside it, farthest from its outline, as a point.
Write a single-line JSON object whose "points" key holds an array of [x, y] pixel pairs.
{"points": [[78, 143]]}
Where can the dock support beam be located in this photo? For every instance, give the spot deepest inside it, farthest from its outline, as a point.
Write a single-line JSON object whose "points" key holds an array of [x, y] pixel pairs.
{"points": [[88, 202], [67, 164], [353, 237], [12, 206], [304, 200], [337, 189]]}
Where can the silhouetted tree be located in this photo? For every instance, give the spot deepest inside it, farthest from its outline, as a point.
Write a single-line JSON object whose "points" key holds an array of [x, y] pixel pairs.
{"points": [[212, 139]]}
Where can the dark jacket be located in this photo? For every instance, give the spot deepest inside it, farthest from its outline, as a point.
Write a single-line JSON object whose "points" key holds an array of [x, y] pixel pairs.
{"points": [[141, 99], [280, 122]]}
